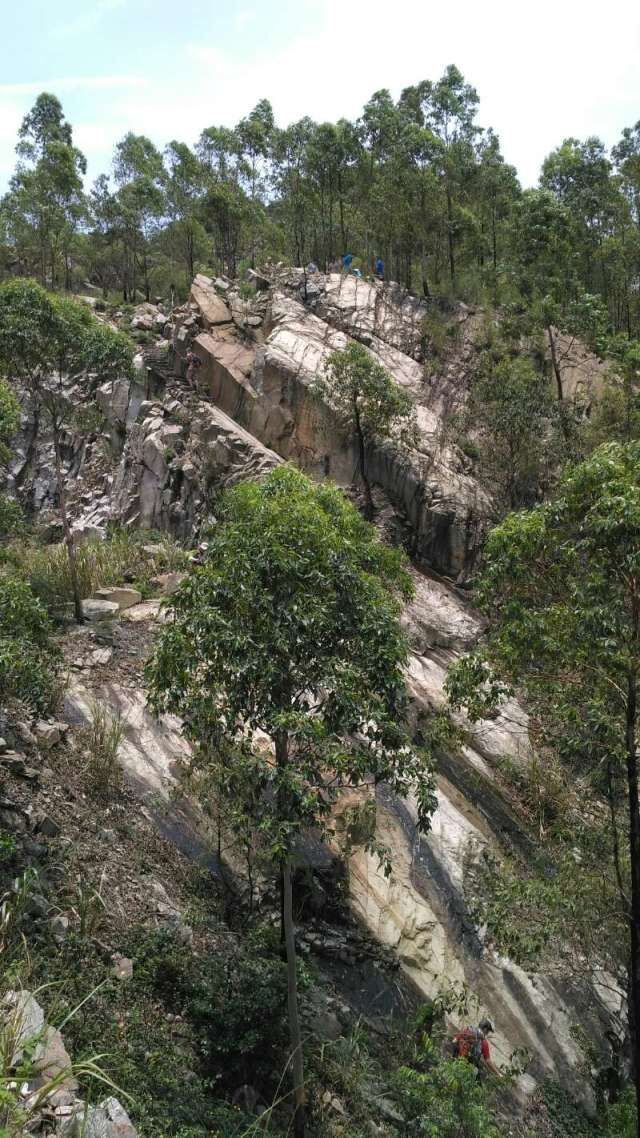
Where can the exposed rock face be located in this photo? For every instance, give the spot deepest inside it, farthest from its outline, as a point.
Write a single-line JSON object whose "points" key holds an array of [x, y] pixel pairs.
{"points": [[267, 386], [168, 467]]}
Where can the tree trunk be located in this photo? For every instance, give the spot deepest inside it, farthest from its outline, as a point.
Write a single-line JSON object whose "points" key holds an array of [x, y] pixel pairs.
{"points": [[362, 462], [634, 853], [295, 1037], [452, 261], [66, 528], [554, 363], [559, 386]]}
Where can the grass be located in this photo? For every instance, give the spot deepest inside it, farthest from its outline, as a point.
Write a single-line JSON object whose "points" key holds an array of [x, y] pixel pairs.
{"points": [[124, 555], [101, 740]]}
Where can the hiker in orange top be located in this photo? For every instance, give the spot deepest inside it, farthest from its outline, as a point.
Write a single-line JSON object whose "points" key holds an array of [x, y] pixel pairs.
{"points": [[472, 1044]]}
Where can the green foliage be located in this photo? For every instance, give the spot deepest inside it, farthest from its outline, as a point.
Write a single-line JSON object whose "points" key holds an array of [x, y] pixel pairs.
{"points": [[28, 659], [46, 567], [11, 517], [445, 1102], [41, 334], [512, 414], [9, 419], [291, 628], [101, 741], [366, 397]]}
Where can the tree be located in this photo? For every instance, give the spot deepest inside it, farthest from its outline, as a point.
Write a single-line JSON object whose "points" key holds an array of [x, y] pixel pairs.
{"points": [[44, 340], [140, 176], [510, 411], [45, 203], [562, 587], [368, 402], [184, 190], [290, 630], [447, 109]]}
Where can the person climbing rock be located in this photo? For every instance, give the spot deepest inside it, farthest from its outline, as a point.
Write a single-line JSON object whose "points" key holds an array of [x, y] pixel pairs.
{"points": [[472, 1044], [193, 363]]}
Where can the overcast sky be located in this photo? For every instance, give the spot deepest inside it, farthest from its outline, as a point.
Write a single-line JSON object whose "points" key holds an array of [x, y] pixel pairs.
{"points": [[167, 68]]}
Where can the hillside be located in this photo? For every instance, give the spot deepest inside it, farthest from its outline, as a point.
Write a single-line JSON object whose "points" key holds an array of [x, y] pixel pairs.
{"points": [[148, 876]]}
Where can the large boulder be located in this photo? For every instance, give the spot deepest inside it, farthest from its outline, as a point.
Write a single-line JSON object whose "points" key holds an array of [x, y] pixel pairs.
{"points": [[212, 307]]}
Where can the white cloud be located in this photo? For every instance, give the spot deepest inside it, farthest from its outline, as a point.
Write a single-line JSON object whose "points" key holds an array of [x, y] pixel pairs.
{"points": [[73, 83], [543, 72]]}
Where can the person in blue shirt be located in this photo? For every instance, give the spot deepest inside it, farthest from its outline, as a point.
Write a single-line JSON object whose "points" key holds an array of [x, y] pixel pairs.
{"points": [[347, 261], [379, 268]]}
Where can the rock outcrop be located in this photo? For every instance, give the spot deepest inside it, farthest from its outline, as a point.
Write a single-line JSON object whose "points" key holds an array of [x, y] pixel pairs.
{"points": [[262, 376], [164, 452]]}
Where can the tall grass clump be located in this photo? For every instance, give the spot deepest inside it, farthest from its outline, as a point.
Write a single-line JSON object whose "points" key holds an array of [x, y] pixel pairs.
{"points": [[123, 555]]}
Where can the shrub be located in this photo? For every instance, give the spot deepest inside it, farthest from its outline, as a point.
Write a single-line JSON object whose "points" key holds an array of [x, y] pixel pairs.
{"points": [[445, 1102], [28, 660], [234, 1003], [11, 518], [102, 739]]}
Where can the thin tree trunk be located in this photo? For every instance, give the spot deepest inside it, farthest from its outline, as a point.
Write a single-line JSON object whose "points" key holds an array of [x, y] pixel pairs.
{"points": [[362, 462], [634, 852], [559, 386], [66, 528], [554, 363], [295, 1036], [452, 261]]}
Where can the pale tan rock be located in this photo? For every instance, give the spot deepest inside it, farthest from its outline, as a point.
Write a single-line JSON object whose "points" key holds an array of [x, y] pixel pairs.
{"points": [[119, 595], [212, 307]]}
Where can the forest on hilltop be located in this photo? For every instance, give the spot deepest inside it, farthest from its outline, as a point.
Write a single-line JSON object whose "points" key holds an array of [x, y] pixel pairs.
{"points": [[415, 180]]}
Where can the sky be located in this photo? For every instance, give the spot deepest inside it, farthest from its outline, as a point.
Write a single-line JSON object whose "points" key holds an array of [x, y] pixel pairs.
{"points": [[544, 71]]}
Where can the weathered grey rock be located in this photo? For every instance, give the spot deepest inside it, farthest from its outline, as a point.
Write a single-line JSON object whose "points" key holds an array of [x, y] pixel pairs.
{"points": [[95, 610], [46, 825], [59, 926], [108, 1120], [27, 1020], [47, 734], [122, 967], [123, 597], [147, 610]]}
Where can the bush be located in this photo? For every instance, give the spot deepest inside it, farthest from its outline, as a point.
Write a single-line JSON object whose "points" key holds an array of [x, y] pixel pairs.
{"points": [[235, 1005], [445, 1102], [11, 518], [28, 660]]}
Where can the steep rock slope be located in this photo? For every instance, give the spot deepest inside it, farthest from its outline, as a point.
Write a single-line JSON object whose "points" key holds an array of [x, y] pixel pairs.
{"points": [[171, 449]]}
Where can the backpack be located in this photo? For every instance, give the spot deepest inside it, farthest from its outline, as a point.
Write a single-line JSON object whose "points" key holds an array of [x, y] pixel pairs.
{"points": [[468, 1043]]}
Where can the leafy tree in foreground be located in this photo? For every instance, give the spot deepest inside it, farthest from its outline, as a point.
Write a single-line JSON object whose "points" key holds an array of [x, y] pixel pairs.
{"points": [[562, 586], [290, 630], [369, 404], [44, 339]]}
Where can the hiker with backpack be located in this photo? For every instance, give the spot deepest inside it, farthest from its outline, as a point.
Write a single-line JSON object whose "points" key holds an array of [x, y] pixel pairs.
{"points": [[472, 1045]]}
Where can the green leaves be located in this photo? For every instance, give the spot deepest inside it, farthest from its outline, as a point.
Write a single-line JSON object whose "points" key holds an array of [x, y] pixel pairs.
{"points": [[362, 391], [290, 629], [43, 335], [9, 419]]}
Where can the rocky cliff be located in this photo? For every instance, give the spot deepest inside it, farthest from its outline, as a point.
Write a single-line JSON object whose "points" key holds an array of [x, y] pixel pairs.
{"points": [[166, 450]]}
